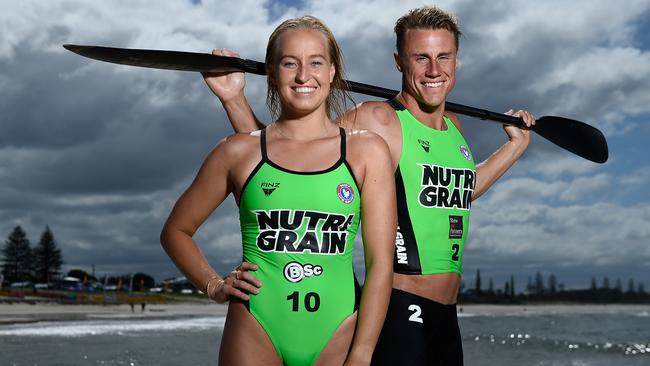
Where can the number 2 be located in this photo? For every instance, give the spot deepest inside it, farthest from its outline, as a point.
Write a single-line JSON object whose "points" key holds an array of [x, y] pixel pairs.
{"points": [[456, 249], [417, 311]]}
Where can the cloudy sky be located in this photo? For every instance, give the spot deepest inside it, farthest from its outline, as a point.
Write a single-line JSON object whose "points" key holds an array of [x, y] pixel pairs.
{"points": [[100, 152]]}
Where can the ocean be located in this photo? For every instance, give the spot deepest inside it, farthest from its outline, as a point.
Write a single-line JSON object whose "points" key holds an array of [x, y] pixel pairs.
{"points": [[506, 339]]}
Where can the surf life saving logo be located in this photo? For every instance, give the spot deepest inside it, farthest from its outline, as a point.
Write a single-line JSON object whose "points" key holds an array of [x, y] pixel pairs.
{"points": [[445, 187], [345, 193], [465, 152], [302, 231]]}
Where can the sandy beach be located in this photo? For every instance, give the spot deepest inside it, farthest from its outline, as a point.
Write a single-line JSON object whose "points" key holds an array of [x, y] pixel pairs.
{"points": [[22, 312]]}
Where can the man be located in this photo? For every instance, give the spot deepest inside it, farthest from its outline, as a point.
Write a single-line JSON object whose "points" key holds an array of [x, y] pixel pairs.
{"points": [[436, 181]]}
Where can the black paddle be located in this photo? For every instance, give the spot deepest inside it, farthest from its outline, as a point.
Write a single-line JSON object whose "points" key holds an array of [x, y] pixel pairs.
{"points": [[575, 136]]}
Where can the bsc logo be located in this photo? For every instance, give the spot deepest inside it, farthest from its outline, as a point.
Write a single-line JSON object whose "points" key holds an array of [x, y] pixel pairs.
{"points": [[295, 272], [345, 192]]}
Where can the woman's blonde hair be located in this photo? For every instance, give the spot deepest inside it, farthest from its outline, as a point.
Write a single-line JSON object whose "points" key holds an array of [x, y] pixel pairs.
{"points": [[337, 97]]}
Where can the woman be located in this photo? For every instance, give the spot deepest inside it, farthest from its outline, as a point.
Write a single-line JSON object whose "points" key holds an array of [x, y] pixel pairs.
{"points": [[302, 185]]}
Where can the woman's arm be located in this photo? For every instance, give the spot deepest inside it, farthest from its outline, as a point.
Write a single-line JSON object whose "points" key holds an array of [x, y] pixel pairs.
{"points": [[379, 224], [208, 190]]}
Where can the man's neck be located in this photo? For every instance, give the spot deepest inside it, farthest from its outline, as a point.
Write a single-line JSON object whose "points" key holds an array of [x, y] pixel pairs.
{"points": [[428, 115]]}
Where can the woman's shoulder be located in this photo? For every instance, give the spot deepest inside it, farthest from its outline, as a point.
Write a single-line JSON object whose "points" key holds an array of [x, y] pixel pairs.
{"points": [[237, 146]]}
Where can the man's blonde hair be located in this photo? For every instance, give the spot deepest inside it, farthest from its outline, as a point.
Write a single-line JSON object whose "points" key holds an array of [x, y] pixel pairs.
{"points": [[426, 17]]}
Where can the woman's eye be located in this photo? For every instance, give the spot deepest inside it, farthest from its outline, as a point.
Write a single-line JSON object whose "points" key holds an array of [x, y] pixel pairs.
{"points": [[289, 64]]}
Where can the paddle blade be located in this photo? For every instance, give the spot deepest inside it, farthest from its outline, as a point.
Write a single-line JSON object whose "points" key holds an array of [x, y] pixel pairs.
{"points": [[168, 60], [575, 136]]}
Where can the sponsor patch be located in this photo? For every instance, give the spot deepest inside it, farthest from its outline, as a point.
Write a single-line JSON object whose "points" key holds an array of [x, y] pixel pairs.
{"points": [[445, 187], [455, 227], [345, 193], [400, 248], [300, 231], [295, 272], [465, 152]]}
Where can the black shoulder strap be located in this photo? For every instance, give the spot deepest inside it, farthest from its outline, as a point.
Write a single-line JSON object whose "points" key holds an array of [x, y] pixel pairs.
{"points": [[263, 144], [343, 143], [396, 104]]}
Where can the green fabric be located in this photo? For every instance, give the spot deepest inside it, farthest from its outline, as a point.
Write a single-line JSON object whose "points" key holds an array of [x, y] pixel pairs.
{"points": [[300, 315], [438, 172]]}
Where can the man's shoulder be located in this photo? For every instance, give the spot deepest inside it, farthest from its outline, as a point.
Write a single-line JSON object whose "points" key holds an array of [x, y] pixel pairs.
{"points": [[370, 115]]}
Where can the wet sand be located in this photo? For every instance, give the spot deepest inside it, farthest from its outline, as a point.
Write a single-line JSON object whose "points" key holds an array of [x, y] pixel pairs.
{"points": [[19, 312]]}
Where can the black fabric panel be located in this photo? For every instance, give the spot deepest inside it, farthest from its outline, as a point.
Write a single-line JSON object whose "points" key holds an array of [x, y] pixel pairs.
{"points": [[406, 229]]}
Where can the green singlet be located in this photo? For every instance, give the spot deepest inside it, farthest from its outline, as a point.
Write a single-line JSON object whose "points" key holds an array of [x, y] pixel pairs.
{"points": [[299, 228], [434, 180]]}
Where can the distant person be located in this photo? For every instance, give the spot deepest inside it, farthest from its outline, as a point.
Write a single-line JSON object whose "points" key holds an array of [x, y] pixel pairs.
{"points": [[436, 180], [303, 185]]}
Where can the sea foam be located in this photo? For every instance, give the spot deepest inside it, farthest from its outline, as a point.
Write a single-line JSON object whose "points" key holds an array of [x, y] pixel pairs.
{"points": [[117, 327]]}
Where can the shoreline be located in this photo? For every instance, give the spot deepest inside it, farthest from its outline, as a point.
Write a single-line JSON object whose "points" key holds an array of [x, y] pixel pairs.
{"points": [[29, 312], [551, 308], [23, 312]]}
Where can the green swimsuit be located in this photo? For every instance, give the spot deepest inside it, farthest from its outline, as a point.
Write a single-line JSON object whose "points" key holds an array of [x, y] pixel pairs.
{"points": [[434, 180], [299, 228]]}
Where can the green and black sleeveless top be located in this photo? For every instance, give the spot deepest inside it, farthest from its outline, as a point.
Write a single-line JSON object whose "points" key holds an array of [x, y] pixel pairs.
{"points": [[299, 228], [435, 179]]}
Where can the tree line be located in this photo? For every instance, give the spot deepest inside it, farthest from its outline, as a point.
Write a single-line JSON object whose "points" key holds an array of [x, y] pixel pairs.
{"points": [[550, 289], [22, 263]]}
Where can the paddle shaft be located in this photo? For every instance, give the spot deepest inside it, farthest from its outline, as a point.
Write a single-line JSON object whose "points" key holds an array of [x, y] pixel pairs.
{"points": [[575, 136], [380, 92]]}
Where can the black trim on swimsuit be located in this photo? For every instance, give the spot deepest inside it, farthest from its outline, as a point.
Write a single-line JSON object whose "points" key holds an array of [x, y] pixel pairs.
{"points": [[266, 159]]}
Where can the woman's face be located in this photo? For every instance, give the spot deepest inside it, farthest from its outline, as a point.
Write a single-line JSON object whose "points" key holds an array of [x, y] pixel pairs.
{"points": [[303, 71]]}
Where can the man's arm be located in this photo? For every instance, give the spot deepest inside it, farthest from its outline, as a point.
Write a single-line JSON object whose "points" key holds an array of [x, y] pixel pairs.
{"points": [[229, 88], [492, 168]]}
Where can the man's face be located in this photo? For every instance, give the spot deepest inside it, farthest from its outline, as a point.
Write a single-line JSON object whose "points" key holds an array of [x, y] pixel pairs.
{"points": [[428, 64]]}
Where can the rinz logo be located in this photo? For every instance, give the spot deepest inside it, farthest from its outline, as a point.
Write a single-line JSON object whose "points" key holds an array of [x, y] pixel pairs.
{"points": [[424, 144], [268, 187], [445, 187], [299, 231]]}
